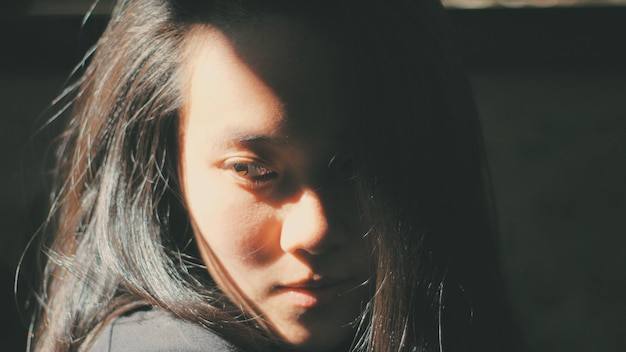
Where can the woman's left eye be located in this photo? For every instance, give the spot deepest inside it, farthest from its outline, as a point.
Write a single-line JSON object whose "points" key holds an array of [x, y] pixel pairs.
{"points": [[252, 171]]}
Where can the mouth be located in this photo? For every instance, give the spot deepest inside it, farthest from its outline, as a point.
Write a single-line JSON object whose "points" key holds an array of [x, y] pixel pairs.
{"points": [[312, 292]]}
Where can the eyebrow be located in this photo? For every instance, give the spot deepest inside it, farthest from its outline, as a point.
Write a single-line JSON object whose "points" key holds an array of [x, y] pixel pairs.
{"points": [[258, 138], [254, 140], [263, 141]]}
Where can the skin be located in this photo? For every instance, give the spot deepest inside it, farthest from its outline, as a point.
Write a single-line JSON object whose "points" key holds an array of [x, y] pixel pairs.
{"points": [[265, 176]]}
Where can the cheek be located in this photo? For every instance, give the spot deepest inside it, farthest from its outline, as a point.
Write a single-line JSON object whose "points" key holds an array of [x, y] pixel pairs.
{"points": [[238, 229]]}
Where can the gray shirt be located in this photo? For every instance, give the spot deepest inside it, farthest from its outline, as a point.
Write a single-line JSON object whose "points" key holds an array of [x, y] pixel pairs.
{"points": [[156, 330]]}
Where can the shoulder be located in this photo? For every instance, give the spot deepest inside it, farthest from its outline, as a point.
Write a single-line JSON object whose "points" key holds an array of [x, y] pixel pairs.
{"points": [[157, 330]]}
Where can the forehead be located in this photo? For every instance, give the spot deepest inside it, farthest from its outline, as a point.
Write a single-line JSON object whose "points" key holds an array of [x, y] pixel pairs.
{"points": [[296, 61]]}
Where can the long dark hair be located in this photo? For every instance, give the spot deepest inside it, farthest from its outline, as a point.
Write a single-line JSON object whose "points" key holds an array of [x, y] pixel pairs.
{"points": [[121, 233]]}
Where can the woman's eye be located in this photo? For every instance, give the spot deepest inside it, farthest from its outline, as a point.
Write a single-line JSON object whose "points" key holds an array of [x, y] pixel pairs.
{"points": [[253, 172]]}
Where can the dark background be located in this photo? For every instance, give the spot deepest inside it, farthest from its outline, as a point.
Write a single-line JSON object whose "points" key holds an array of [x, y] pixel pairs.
{"points": [[551, 88]]}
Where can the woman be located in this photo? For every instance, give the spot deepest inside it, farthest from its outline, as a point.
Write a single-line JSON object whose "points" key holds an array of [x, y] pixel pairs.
{"points": [[265, 175]]}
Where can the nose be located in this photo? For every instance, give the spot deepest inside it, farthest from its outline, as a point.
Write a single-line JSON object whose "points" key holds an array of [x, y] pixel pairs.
{"points": [[306, 226]]}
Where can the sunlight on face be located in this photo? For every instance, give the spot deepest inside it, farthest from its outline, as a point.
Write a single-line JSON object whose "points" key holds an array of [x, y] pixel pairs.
{"points": [[262, 135]]}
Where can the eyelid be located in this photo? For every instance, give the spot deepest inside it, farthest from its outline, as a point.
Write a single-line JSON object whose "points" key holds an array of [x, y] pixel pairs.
{"points": [[252, 172]]}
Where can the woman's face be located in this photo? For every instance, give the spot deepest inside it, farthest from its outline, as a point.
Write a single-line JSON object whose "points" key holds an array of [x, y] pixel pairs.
{"points": [[264, 156]]}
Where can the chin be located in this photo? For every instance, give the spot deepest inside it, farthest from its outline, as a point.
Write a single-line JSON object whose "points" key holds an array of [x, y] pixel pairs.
{"points": [[320, 339]]}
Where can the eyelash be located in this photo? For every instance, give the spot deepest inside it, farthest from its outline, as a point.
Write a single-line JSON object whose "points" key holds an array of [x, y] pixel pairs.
{"points": [[254, 173]]}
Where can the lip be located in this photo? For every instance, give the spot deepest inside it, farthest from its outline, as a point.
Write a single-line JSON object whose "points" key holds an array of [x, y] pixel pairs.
{"points": [[312, 292]]}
